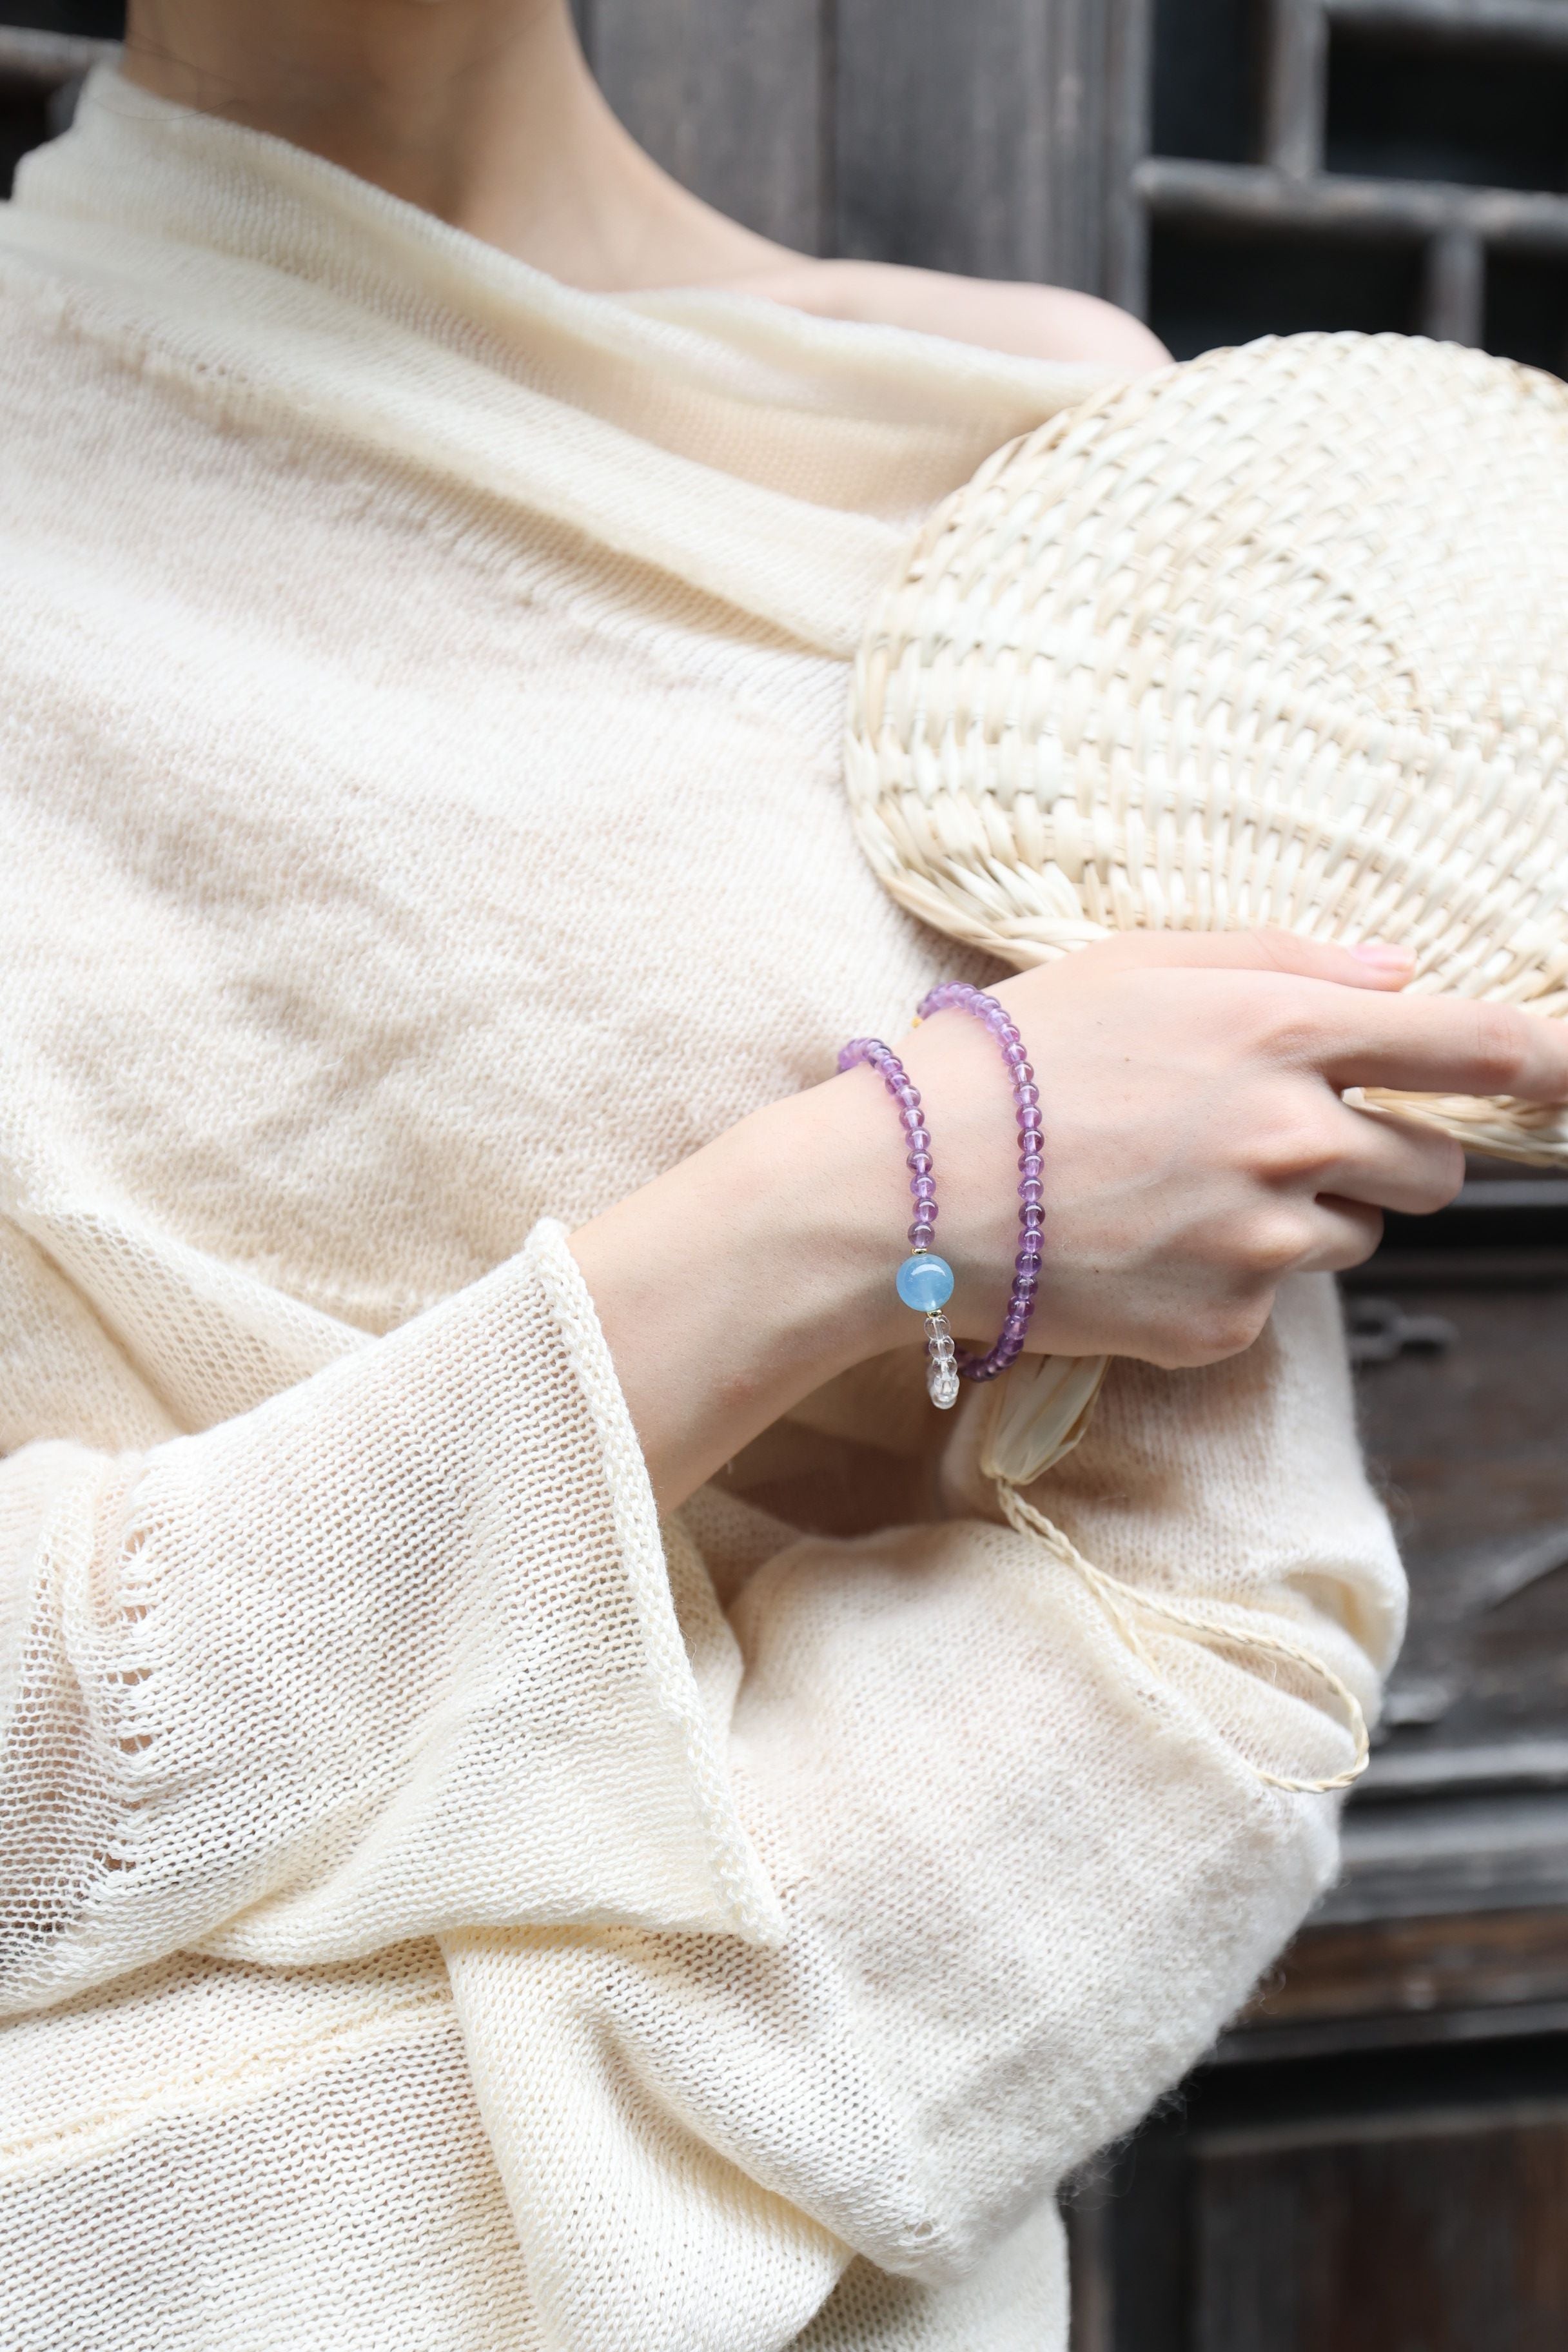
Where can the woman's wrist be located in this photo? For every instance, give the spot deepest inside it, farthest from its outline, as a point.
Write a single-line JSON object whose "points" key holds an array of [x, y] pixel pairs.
{"points": [[751, 1273], [823, 1178]]}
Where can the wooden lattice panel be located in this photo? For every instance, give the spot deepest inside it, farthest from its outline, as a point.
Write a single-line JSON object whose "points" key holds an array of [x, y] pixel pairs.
{"points": [[1458, 227]]}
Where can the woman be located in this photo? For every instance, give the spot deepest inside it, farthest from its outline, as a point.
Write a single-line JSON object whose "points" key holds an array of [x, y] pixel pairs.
{"points": [[542, 1807]]}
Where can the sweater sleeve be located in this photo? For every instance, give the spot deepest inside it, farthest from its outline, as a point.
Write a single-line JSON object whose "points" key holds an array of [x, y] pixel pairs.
{"points": [[1028, 1871], [392, 1652]]}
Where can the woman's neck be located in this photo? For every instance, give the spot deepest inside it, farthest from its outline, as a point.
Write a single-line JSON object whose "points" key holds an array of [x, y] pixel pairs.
{"points": [[481, 112], [484, 112]]}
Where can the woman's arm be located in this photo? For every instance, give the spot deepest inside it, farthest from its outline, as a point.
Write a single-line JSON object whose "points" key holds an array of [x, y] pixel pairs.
{"points": [[1196, 1152], [396, 1649], [392, 1652], [1026, 1874]]}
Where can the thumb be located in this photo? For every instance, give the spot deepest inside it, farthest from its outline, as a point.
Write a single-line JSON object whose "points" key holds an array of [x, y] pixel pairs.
{"points": [[1374, 964]]}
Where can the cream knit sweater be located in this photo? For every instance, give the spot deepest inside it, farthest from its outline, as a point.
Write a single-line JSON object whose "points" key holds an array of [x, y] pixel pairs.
{"points": [[441, 1910]]}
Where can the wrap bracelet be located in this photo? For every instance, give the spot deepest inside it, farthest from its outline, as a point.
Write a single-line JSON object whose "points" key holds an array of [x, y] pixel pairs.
{"points": [[924, 1280]]}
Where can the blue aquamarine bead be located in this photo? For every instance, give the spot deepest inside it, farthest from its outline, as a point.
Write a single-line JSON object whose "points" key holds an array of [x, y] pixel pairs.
{"points": [[925, 1282]]}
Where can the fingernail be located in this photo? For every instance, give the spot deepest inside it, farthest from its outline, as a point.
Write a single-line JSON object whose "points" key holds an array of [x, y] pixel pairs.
{"points": [[1387, 956]]}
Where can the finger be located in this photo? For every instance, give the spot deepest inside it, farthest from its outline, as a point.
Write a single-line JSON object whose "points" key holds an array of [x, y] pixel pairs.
{"points": [[1345, 1233], [1375, 963], [1440, 1045], [1394, 1164]]}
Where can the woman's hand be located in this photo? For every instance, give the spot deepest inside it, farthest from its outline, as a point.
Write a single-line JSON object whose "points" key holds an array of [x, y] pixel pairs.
{"points": [[1196, 1149], [1196, 1152]]}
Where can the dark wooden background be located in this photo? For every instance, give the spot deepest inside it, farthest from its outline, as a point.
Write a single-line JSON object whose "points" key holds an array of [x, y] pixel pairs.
{"points": [[1225, 167]]}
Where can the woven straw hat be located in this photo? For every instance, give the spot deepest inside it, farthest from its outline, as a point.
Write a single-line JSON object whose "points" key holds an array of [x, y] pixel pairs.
{"points": [[1279, 636]]}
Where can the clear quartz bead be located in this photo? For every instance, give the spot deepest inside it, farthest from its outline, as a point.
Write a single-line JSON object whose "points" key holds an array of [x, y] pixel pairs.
{"points": [[942, 1372]]}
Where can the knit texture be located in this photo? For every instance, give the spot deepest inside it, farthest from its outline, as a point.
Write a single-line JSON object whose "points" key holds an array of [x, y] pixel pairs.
{"points": [[440, 1908]]}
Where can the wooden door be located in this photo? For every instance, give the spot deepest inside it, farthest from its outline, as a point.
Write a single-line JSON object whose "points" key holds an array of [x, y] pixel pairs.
{"points": [[1390, 2203]]}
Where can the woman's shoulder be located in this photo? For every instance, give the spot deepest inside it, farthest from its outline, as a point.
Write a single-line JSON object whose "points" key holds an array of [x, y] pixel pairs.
{"points": [[1040, 322]]}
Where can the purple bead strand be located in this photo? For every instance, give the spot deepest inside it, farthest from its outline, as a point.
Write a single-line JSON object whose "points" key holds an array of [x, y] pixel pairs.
{"points": [[942, 1376], [917, 1135], [957, 995]]}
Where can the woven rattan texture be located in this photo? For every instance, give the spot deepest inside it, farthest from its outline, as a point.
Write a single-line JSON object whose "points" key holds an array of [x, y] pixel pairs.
{"points": [[1275, 637]]}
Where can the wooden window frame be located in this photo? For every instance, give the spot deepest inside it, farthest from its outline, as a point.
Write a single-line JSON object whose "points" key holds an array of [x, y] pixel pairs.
{"points": [[1457, 227]]}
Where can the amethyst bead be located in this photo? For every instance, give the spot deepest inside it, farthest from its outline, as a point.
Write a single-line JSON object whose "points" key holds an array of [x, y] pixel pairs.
{"points": [[925, 1281], [959, 996]]}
